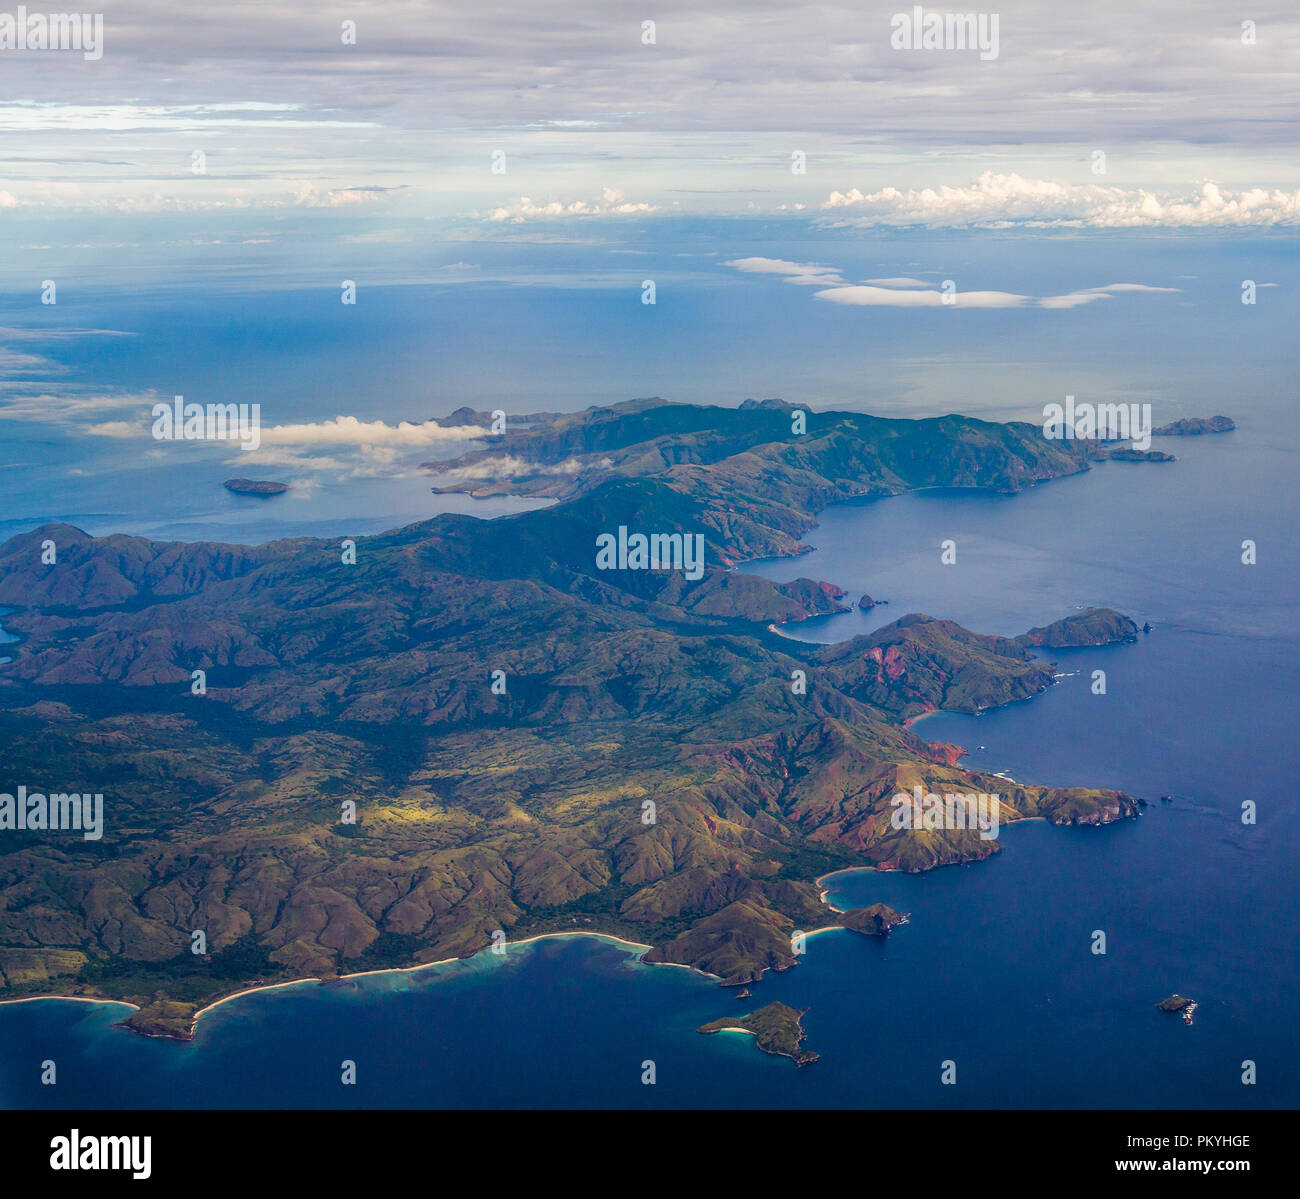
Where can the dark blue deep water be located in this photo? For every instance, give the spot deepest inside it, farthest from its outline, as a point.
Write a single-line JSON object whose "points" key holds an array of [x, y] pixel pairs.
{"points": [[994, 971]]}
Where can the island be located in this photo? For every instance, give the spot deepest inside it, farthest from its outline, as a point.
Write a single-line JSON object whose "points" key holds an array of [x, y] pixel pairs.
{"points": [[258, 487], [1128, 454], [874, 921], [1092, 626], [1194, 426], [776, 1028], [435, 738], [866, 603], [1179, 1003]]}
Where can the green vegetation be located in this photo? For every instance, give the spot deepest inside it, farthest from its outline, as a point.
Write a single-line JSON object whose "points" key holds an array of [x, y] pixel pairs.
{"points": [[776, 1028], [649, 771]]}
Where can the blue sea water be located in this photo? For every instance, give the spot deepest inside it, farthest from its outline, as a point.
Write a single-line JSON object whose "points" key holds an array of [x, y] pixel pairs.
{"points": [[995, 969]]}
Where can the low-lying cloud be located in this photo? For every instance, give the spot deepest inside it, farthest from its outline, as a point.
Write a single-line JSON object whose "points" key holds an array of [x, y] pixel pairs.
{"points": [[906, 292], [349, 431], [610, 203], [997, 201]]}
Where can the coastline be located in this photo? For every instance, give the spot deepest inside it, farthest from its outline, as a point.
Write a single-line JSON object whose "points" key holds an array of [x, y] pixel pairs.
{"points": [[641, 949], [296, 982], [71, 999]]}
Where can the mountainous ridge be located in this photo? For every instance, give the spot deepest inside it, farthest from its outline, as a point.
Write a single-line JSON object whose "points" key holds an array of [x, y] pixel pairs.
{"points": [[478, 809]]}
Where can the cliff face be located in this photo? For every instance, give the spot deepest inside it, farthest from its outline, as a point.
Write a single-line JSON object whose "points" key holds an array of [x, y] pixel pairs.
{"points": [[644, 763]]}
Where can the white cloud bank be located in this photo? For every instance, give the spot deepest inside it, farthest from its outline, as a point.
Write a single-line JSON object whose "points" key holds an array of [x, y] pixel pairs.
{"points": [[883, 297], [611, 203], [805, 273], [906, 292], [349, 431], [1003, 201]]}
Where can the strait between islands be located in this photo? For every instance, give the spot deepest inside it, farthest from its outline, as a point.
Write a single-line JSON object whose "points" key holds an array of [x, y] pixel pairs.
{"points": [[351, 792]]}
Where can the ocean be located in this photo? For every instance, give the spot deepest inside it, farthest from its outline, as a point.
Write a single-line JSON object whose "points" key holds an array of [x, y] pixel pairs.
{"points": [[994, 971]]}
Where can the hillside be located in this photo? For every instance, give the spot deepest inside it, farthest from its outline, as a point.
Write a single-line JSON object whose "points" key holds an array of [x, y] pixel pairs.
{"points": [[521, 807]]}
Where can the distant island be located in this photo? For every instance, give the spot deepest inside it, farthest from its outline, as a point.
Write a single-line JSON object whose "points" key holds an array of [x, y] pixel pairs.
{"points": [[1128, 454], [260, 487], [466, 731], [776, 1028], [1093, 626], [1179, 1003], [1194, 426]]}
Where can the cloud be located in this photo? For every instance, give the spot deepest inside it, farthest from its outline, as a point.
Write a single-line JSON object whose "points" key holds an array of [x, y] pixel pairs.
{"points": [[116, 428], [272, 105], [46, 196], [31, 116], [906, 292], [510, 466], [805, 273], [884, 297], [15, 362], [308, 195], [610, 203], [1087, 295], [1132, 287], [1006, 200], [8, 333], [903, 281], [1074, 299], [349, 431], [56, 406]]}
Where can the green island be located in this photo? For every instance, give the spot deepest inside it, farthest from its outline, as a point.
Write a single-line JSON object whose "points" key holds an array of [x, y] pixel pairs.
{"points": [[464, 730], [776, 1028]]}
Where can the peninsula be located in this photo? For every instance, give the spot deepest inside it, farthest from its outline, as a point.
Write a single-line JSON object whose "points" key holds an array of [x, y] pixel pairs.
{"points": [[409, 746]]}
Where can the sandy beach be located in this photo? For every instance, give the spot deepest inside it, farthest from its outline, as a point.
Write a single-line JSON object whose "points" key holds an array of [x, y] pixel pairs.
{"points": [[296, 982]]}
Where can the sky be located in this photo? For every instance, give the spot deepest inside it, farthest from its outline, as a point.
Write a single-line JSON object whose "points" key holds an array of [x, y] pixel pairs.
{"points": [[1196, 118], [825, 213]]}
